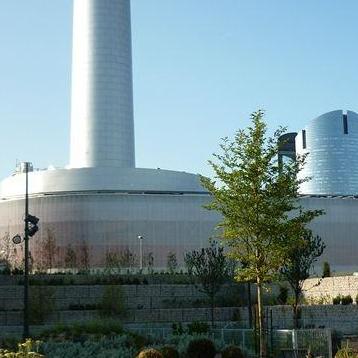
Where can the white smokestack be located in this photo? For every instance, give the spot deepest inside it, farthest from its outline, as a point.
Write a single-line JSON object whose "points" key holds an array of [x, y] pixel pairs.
{"points": [[102, 127]]}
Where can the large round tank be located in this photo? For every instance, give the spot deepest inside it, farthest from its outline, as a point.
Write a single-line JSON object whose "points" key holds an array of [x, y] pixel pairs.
{"points": [[102, 129], [331, 142]]}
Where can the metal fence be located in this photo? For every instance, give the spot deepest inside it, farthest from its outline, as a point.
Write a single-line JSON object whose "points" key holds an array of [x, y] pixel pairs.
{"points": [[281, 343]]}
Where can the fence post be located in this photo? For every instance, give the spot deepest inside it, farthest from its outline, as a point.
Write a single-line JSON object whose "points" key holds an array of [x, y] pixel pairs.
{"points": [[294, 340]]}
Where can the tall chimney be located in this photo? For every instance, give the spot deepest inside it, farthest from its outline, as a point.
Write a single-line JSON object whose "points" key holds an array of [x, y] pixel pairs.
{"points": [[102, 126]]}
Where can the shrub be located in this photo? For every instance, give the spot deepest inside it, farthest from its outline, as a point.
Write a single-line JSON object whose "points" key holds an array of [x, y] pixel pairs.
{"points": [[345, 352], [201, 348], [347, 300], [25, 350], [326, 270], [232, 352], [197, 327], [169, 352], [283, 295], [337, 300], [150, 353], [112, 303]]}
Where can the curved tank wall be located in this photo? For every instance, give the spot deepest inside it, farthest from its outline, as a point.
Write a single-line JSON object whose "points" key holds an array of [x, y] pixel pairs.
{"points": [[331, 141], [111, 222]]}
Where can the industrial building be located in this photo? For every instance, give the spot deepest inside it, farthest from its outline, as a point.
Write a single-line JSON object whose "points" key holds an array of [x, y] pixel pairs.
{"points": [[101, 199], [101, 203]]}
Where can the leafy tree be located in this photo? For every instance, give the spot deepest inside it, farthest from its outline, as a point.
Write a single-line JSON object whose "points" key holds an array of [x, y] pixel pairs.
{"points": [[172, 262], [326, 272], [257, 198], [298, 265], [210, 266]]}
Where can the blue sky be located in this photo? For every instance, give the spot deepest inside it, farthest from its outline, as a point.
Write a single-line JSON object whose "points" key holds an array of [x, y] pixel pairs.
{"points": [[200, 68]]}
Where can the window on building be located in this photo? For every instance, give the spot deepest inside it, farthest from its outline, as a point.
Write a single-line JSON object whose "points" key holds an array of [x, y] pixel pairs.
{"points": [[304, 139], [345, 124]]}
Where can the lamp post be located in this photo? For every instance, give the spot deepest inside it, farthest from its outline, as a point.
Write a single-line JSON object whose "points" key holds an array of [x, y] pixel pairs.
{"points": [[140, 238], [26, 243]]}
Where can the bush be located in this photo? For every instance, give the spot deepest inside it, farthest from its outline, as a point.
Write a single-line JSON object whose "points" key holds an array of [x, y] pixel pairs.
{"points": [[197, 327], [346, 352], [150, 353], [169, 352], [113, 347], [347, 300], [97, 327], [201, 348], [112, 303], [283, 295], [337, 300], [232, 352], [326, 270], [28, 349]]}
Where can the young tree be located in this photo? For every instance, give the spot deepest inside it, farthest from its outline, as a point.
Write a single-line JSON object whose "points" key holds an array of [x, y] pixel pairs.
{"points": [[111, 262], [70, 258], [172, 262], [49, 250], [258, 202], [299, 262], [127, 258], [326, 270], [84, 257], [211, 268], [148, 261]]}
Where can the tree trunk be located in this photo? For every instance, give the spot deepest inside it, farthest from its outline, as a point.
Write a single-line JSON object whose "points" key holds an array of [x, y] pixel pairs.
{"points": [[295, 311], [261, 319]]}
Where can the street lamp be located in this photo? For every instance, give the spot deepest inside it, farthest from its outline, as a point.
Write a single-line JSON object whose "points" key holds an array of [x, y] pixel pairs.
{"points": [[140, 238]]}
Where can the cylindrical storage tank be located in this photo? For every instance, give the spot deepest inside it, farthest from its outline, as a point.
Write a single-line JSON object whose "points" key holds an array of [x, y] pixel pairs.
{"points": [[102, 128], [331, 142]]}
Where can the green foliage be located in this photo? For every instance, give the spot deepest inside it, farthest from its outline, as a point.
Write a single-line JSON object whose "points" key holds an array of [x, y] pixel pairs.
{"points": [[346, 352], [255, 196], [113, 347], [28, 349], [258, 200], [201, 348], [337, 300], [347, 300], [326, 271], [150, 353], [197, 327], [300, 258], [232, 352], [41, 304], [210, 266], [282, 297], [96, 327], [169, 352], [194, 328], [112, 303]]}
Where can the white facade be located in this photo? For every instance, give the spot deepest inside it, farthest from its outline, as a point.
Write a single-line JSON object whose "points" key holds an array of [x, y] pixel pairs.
{"points": [[102, 128]]}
